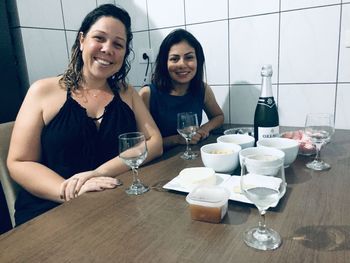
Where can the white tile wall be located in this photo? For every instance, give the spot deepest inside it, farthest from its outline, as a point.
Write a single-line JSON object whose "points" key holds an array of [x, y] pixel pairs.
{"points": [[137, 72], [295, 101], [238, 36], [309, 45], [215, 10], [214, 40], [75, 11], [42, 48], [295, 4], [242, 110], [137, 10], [71, 35], [223, 99], [253, 43], [166, 13], [50, 13], [344, 58], [239, 8], [101, 2], [342, 120]]}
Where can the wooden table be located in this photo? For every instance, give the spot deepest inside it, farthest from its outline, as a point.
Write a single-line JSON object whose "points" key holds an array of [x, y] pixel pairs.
{"points": [[313, 219]]}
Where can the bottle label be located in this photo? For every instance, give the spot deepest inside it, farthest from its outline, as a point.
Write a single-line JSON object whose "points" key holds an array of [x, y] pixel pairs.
{"points": [[268, 132], [268, 101]]}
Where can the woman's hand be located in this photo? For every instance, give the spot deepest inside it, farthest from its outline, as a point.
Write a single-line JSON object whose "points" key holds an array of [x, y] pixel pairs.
{"points": [[70, 190], [204, 133], [97, 184]]}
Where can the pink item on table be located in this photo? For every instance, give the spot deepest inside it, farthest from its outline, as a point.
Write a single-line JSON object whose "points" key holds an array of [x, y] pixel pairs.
{"points": [[306, 147]]}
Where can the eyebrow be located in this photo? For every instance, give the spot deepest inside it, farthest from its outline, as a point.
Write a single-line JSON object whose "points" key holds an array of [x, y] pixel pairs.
{"points": [[102, 32], [188, 53]]}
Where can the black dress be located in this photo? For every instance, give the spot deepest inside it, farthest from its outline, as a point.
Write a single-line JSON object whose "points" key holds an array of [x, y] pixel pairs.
{"points": [[71, 143]]}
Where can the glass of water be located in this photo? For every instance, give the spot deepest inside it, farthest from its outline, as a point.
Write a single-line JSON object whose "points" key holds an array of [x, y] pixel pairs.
{"points": [[263, 183], [187, 126]]}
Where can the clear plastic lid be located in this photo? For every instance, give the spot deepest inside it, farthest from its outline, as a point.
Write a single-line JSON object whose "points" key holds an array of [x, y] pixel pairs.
{"points": [[210, 196]]}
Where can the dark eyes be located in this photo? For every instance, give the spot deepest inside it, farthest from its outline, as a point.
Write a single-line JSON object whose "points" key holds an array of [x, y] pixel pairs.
{"points": [[177, 58], [102, 39]]}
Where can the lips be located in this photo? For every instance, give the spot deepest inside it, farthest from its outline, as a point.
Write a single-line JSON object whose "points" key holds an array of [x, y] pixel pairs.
{"points": [[103, 62]]}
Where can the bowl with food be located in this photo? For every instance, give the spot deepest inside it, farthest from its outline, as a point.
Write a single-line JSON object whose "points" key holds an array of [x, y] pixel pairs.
{"points": [[306, 147], [244, 140], [222, 157], [290, 147]]}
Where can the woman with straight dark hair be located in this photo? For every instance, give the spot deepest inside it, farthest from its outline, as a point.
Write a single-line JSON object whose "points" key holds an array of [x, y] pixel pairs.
{"points": [[178, 86], [65, 138]]}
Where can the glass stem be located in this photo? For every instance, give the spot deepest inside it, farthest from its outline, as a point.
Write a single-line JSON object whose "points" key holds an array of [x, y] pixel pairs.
{"points": [[188, 149], [318, 150], [262, 224], [135, 175]]}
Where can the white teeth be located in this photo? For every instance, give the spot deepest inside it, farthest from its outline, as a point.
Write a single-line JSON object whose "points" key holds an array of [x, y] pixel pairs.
{"points": [[103, 62]]}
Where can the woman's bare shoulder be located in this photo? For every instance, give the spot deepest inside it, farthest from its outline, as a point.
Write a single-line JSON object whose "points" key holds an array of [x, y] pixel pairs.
{"points": [[45, 87]]}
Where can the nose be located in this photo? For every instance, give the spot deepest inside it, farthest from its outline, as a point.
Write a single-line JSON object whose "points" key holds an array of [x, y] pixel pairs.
{"points": [[107, 47], [181, 62]]}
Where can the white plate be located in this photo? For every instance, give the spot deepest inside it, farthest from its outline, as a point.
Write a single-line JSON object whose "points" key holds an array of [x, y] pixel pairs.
{"points": [[175, 185], [231, 183]]}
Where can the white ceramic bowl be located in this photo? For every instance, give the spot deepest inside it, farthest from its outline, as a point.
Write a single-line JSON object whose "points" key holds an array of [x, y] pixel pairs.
{"points": [[243, 140], [222, 157], [261, 155], [290, 147]]}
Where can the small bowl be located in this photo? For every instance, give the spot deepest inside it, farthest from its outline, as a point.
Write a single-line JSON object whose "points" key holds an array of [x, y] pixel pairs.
{"points": [[243, 140], [208, 203], [264, 156], [222, 157], [306, 147], [290, 147], [240, 130]]}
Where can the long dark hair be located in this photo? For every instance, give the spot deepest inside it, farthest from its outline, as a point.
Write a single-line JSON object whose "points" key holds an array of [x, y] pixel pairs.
{"points": [[73, 76], [161, 77]]}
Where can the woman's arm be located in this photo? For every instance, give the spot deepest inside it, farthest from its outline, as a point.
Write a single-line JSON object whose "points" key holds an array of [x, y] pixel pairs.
{"points": [[145, 124], [25, 148], [213, 111]]}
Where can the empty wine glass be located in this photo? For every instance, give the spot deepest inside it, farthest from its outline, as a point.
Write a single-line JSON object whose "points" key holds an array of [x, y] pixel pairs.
{"points": [[319, 127], [133, 151], [187, 126], [263, 183]]}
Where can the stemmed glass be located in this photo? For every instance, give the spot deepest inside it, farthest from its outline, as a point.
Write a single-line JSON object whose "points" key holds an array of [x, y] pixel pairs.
{"points": [[319, 127], [133, 151], [187, 126], [263, 183]]}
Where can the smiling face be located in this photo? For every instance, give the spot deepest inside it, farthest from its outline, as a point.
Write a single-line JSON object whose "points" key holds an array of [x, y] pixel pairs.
{"points": [[182, 63], [103, 48]]}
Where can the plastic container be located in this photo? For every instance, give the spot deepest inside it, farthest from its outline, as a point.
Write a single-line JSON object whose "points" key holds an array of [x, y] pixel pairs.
{"points": [[208, 203]]}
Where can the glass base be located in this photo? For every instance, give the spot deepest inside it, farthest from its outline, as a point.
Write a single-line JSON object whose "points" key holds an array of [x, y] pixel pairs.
{"points": [[318, 165], [267, 240], [137, 189], [189, 155]]}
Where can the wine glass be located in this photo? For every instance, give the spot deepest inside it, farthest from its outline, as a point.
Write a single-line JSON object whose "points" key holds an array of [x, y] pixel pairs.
{"points": [[319, 127], [263, 183], [133, 151], [187, 126]]}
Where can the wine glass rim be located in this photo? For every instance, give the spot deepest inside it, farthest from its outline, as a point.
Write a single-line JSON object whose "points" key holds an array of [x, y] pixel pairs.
{"points": [[129, 135]]}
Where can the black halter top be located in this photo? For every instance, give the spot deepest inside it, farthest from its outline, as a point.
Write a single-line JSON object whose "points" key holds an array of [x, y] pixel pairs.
{"points": [[72, 143]]}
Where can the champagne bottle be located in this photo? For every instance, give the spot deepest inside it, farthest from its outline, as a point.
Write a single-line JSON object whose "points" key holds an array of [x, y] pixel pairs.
{"points": [[266, 122]]}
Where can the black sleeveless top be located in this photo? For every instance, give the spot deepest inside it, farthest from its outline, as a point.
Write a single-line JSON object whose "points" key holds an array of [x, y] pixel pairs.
{"points": [[165, 107], [71, 143]]}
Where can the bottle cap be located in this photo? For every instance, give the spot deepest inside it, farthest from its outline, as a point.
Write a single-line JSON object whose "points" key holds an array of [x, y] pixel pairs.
{"points": [[266, 71]]}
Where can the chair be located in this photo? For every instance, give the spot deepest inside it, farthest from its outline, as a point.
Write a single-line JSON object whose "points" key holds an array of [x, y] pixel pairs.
{"points": [[9, 186]]}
